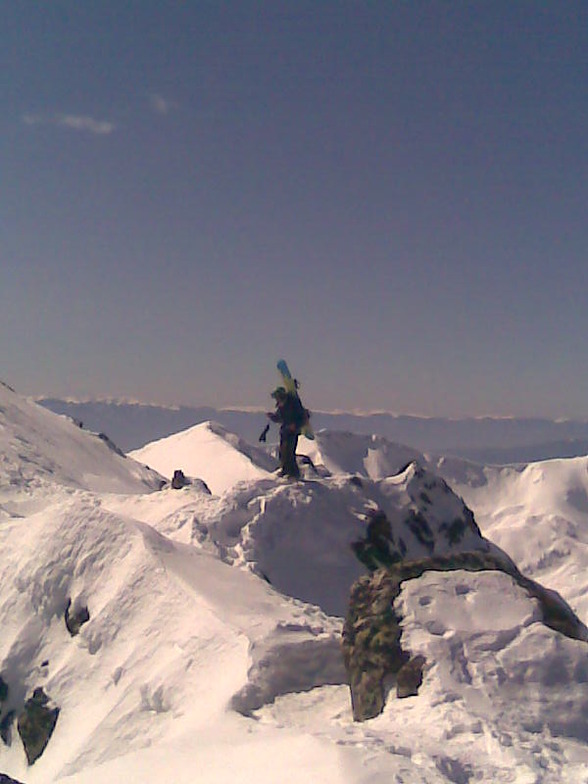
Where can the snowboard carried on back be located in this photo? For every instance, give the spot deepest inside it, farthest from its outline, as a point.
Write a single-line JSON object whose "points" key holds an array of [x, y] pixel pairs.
{"points": [[291, 386]]}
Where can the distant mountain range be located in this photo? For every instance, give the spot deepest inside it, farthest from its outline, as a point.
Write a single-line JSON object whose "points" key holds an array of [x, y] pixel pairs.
{"points": [[486, 440]]}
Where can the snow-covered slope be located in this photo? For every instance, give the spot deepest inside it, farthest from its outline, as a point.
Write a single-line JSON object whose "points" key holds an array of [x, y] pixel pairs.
{"points": [[208, 654], [209, 452], [538, 513], [167, 646], [298, 535], [38, 446], [144, 688]]}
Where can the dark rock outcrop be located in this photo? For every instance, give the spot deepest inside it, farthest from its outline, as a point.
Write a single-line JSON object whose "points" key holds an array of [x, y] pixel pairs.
{"points": [[3, 689], [6, 719], [371, 635], [75, 618], [410, 677], [6, 727], [418, 516], [179, 480], [4, 779], [36, 724], [371, 642], [376, 548], [111, 445]]}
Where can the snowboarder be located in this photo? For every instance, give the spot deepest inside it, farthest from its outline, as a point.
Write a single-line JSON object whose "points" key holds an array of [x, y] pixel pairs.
{"points": [[292, 416]]}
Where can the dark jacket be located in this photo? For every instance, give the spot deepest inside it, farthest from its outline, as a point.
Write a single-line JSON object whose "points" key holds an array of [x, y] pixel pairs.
{"points": [[290, 412]]}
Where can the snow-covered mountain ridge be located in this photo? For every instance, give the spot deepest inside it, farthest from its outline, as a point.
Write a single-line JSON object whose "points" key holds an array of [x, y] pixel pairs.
{"points": [[192, 660]]}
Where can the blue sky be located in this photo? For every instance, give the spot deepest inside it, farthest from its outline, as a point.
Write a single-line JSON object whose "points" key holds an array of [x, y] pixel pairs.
{"points": [[391, 195]]}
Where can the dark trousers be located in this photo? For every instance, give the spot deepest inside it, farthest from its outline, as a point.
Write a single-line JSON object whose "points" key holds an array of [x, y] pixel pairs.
{"points": [[288, 444]]}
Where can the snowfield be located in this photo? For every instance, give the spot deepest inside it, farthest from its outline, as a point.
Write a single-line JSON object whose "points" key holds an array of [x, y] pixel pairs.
{"points": [[212, 652]]}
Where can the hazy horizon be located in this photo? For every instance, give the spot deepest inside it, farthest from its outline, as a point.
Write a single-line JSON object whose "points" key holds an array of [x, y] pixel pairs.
{"points": [[122, 401]]}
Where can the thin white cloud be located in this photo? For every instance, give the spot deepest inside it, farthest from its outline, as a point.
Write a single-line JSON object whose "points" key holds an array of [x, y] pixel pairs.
{"points": [[159, 104], [84, 123], [32, 119], [75, 122]]}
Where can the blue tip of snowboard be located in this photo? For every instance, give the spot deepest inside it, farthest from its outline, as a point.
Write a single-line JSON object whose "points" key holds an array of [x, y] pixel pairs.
{"points": [[283, 368]]}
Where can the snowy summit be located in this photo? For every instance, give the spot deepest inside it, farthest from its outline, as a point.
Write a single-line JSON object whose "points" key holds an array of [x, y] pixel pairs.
{"points": [[234, 630]]}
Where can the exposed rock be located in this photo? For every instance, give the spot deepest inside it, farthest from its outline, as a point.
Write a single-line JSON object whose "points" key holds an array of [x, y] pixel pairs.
{"points": [[111, 445], [179, 480], [371, 642], [3, 689], [454, 771], [410, 677], [76, 618], [36, 724], [417, 523], [425, 519], [455, 530], [376, 548], [4, 779], [8, 718], [6, 727]]}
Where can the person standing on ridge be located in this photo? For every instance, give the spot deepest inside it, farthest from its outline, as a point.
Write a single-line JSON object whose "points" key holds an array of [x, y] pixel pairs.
{"points": [[292, 416]]}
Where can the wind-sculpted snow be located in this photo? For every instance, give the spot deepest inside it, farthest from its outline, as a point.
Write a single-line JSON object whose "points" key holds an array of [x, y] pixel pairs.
{"points": [[124, 663], [299, 536], [165, 650], [365, 456], [210, 652], [349, 453], [501, 675]]}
